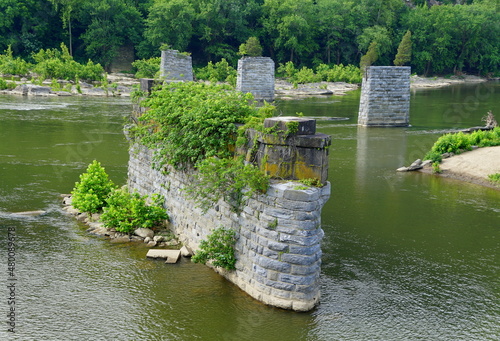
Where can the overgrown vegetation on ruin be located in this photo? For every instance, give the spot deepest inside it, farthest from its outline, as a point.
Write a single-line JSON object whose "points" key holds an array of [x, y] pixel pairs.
{"points": [[195, 125], [218, 248]]}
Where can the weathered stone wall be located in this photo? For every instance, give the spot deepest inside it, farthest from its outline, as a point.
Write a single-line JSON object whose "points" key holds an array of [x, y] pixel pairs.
{"points": [[176, 66], [256, 75], [279, 233], [385, 96]]}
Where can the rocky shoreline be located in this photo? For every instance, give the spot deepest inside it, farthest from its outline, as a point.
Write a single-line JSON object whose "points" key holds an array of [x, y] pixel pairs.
{"points": [[122, 85], [160, 239]]}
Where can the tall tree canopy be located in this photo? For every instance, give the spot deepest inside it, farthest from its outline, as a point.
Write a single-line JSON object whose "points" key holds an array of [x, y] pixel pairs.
{"points": [[453, 37]]}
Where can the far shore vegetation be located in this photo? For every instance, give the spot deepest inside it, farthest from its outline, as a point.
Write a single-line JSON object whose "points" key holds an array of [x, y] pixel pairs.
{"points": [[310, 40]]}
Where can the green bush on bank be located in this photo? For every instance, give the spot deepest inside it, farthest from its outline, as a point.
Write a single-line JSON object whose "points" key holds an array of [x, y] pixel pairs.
{"points": [[125, 211], [59, 64], [90, 193], [459, 142], [51, 64], [218, 72], [13, 66], [147, 68], [122, 210], [323, 72]]}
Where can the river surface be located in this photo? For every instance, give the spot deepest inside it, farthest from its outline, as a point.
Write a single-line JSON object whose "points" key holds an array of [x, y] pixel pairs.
{"points": [[406, 256]]}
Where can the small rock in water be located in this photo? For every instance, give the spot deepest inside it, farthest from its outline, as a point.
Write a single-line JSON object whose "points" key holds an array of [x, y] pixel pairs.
{"points": [[402, 169], [147, 239]]}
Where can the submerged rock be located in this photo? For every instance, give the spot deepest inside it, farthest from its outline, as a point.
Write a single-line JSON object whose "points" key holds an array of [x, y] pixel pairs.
{"points": [[30, 213]]}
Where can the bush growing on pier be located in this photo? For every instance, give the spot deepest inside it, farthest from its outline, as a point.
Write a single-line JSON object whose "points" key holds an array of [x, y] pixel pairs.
{"points": [[218, 248]]}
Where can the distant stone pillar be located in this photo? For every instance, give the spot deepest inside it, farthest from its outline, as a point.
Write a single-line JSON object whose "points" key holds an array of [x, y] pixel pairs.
{"points": [[256, 75], [294, 152], [385, 97], [176, 66]]}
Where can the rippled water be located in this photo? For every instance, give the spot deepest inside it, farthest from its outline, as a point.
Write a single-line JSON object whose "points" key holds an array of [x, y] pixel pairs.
{"points": [[405, 256]]}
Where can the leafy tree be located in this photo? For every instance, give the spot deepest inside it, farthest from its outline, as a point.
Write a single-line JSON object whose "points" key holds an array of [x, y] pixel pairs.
{"points": [[290, 25], [111, 24], [370, 57], [404, 50], [381, 36], [251, 48], [170, 22]]}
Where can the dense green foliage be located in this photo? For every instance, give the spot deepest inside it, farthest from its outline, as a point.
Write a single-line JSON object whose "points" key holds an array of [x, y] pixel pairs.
{"points": [[218, 72], [90, 193], [51, 64], [147, 68], [323, 72], [229, 179], [459, 142], [251, 48], [218, 248], [122, 210], [495, 178], [195, 125], [455, 36], [188, 122], [125, 211]]}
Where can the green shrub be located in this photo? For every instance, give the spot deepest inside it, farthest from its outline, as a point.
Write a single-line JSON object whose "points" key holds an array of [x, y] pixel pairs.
{"points": [[147, 68], [218, 248], [229, 179], [59, 64], [459, 142], [13, 66], [126, 211], [495, 178], [218, 72], [6, 85], [335, 73], [188, 122], [90, 193]]}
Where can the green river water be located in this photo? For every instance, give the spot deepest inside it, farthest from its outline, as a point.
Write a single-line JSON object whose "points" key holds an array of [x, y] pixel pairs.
{"points": [[406, 256]]}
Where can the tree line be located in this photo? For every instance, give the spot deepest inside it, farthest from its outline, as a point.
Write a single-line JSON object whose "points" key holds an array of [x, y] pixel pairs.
{"points": [[452, 36]]}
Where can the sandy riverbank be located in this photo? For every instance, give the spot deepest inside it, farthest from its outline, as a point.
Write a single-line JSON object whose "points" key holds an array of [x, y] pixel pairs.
{"points": [[472, 166]]}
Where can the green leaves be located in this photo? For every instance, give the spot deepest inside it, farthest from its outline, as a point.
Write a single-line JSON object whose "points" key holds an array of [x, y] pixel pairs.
{"points": [[188, 122], [90, 193], [458, 142], [126, 211], [218, 248], [228, 179]]}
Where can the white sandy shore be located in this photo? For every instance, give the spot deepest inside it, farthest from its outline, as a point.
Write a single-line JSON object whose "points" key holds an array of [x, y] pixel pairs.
{"points": [[473, 166]]}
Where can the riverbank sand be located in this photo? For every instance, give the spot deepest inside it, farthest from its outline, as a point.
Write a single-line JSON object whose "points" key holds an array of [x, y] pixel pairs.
{"points": [[472, 166]]}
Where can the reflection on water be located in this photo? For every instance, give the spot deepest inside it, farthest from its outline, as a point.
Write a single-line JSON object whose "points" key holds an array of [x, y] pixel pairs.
{"points": [[406, 256]]}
